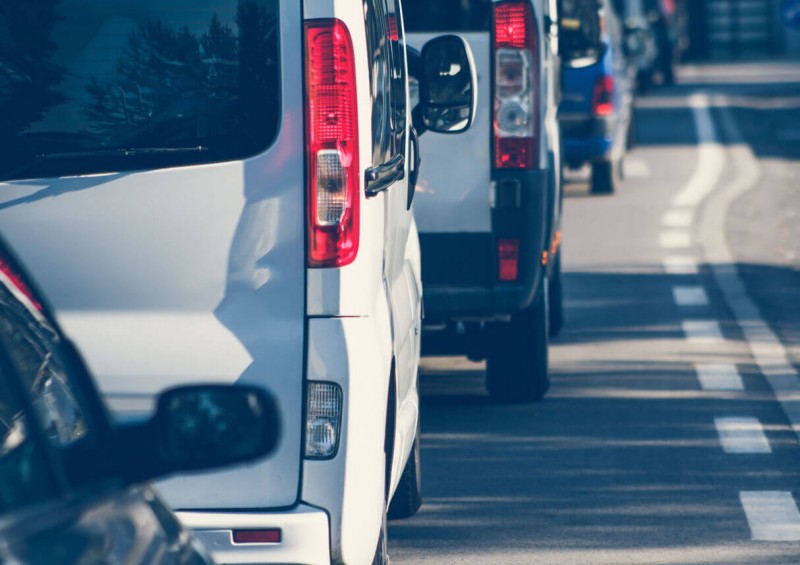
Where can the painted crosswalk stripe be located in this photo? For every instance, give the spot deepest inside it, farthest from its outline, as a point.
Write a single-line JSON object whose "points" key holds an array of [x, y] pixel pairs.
{"points": [[742, 435], [677, 218], [772, 515], [680, 265], [690, 296], [719, 376], [674, 239], [702, 331]]}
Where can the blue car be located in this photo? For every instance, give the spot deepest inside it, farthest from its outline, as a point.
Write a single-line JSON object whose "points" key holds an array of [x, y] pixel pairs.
{"points": [[595, 112]]}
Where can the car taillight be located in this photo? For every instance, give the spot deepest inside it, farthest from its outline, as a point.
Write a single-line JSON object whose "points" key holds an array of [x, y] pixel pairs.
{"points": [[13, 281], [507, 259], [333, 175], [603, 96], [516, 104]]}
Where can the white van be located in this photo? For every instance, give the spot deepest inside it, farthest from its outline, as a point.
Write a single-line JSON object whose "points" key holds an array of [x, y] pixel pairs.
{"points": [[219, 191]]}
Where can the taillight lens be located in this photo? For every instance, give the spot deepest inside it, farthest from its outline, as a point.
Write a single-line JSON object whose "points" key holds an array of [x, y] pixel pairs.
{"points": [[507, 259], [333, 175], [603, 96], [516, 105], [13, 281]]}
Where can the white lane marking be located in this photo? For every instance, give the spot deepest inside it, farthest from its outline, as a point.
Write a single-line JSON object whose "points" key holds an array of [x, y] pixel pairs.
{"points": [[680, 265], [677, 218], [674, 239], [718, 376], [772, 515], [767, 350], [742, 435], [711, 156], [636, 168], [702, 331], [689, 296]]}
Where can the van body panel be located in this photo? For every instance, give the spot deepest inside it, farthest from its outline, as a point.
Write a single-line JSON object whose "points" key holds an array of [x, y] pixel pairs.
{"points": [[458, 198], [186, 274]]}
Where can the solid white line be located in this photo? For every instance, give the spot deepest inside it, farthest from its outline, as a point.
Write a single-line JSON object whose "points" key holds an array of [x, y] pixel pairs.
{"points": [[689, 296], [742, 435], [680, 265], [768, 351], [702, 331], [677, 218], [719, 376], [772, 515], [711, 156], [674, 239]]}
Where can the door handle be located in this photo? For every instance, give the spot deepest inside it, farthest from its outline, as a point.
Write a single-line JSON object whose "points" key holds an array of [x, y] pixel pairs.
{"points": [[383, 176]]}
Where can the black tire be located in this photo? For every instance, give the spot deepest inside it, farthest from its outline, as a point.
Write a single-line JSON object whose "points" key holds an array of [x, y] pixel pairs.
{"points": [[381, 551], [408, 497], [517, 364], [605, 177], [556, 294]]}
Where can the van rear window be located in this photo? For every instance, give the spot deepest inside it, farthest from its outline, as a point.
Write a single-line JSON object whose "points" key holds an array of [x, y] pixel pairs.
{"points": [[91, 86], [447, 15]]}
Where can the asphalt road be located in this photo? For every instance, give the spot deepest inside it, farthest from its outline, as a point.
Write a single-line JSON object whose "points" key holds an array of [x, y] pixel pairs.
{"points": [[683, 329]]}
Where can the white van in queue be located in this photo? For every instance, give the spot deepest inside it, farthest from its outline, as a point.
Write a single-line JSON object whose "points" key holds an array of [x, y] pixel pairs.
{"points": [[221, 192]]}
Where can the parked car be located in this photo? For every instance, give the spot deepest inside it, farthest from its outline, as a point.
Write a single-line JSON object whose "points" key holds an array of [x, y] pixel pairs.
{"points": [[222, 191], [489, 202], [73, 486], [596, 107]]}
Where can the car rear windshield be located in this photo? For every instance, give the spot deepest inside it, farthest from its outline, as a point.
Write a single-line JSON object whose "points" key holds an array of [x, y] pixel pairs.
{"points": [[447, 15], [91, 86]]}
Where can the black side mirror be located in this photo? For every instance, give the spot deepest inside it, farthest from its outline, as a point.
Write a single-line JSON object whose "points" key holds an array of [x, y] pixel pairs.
{"points": [[447, 86], [201, 427]]}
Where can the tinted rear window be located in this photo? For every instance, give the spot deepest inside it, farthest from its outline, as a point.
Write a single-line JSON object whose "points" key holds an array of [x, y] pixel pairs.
{"points": [[447, 15], [89, 86]]}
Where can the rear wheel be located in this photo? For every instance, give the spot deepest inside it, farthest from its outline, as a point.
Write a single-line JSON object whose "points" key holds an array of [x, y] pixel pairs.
{"points": [[516, 366], [556, 294], [605, 177], [408, 497]]}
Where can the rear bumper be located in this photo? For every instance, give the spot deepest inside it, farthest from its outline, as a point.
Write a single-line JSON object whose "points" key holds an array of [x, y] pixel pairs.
{"points": [[304, 535], [460, 270], [586, 138]]}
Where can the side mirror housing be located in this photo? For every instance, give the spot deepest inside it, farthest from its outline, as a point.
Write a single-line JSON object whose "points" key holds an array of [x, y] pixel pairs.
{"points": [[200, 427], [448, 83]]}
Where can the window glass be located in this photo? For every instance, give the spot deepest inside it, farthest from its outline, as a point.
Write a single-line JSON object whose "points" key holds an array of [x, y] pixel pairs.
{"points": [[380, 80], [398, 74], [447, 15], [90, 86]]}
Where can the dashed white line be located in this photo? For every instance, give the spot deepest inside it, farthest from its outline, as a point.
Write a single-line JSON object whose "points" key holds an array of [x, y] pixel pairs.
{"points": [[719, 376], [690, 296], [702, 331], [772, 515], [680, 265], [674, 239], [742, 435], [678, 218]]}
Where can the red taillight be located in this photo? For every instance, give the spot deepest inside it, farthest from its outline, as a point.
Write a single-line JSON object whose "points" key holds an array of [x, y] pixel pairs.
{"points": [[516, 103], [331, 145], [603, 96], [14, 282], [272, 535], [508, 259]]}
